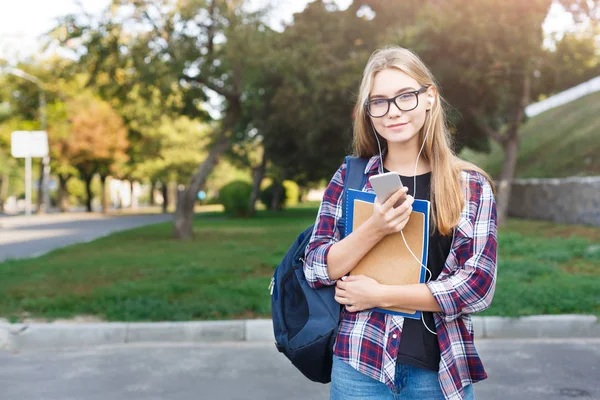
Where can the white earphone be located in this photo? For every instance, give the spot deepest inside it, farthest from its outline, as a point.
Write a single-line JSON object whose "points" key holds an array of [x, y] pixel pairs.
{"points": [[430, 106], [414, 195]]}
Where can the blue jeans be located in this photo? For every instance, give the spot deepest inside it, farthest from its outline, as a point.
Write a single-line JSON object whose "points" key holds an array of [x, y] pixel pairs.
{"points": [[410, 383]]}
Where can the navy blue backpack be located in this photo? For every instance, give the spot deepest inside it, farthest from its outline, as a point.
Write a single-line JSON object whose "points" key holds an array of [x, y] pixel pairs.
{"points": [[305, 320]]}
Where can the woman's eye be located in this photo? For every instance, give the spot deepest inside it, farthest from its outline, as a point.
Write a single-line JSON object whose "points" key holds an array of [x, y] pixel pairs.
{"points": [[378, 102], [405, 97]]}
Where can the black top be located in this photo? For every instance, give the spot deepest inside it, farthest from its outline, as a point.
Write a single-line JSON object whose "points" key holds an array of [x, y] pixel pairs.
{"points": [[418, 346]]}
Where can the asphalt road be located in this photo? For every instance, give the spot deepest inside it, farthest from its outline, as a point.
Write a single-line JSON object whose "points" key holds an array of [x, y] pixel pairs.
{"points": [[23, 237], [517, 369]]}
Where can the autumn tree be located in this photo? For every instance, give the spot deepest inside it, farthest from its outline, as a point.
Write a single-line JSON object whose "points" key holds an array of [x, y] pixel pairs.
{"points": [[94, 142], [196, 48]]}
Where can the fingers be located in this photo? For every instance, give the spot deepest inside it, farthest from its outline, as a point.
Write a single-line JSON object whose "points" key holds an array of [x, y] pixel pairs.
{"points": [[347, 302], [341, 299], [404, 209], [389, 204], [400, 213], [401, 224]]}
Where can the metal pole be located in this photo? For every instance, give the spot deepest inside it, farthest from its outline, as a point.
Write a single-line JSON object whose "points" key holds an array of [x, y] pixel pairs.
{"points": [[28, 185]]}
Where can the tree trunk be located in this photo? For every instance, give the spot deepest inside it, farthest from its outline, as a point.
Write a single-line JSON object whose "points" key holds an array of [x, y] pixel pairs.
{"points": [[152, 189], [133, 204], [258, 175], [173, 188], [511, 152], [165, 194], [88, 191], [184, 213], [303, 194], [3, 190], [276, 201], [41, 207], [63, 193], [105, 194]]}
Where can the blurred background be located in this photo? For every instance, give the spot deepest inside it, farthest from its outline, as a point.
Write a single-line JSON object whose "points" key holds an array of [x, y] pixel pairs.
{"points": [[159, 157], [197, 137], [138, 94]]}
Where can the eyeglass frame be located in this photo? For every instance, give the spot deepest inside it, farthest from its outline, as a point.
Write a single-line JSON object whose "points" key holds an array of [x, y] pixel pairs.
{"points": [[391, 100]]}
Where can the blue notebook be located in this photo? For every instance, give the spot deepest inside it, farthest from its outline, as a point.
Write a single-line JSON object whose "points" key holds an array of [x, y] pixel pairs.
{"points": [[389, 261]]}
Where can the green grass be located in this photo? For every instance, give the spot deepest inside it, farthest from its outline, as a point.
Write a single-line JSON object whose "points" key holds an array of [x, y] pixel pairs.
{"points": [[545, 268], [564, 141], [144, 275]]}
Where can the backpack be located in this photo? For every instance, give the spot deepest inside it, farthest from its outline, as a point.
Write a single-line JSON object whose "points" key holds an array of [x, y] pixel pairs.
{"points": [[305, 320]]}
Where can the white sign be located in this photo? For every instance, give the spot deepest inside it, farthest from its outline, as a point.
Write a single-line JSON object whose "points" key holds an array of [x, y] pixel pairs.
{"points": [[24, 144]]}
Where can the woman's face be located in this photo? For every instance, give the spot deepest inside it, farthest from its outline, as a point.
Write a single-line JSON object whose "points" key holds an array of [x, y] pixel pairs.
{"points": [[398, 126]]}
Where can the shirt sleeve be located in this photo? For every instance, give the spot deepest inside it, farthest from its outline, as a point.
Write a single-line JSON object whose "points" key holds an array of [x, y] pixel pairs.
{"points": [[470, 287], [325, 232]]}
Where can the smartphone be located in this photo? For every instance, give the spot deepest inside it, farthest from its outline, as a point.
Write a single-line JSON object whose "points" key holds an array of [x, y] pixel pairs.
{"points": [[385, 185]]}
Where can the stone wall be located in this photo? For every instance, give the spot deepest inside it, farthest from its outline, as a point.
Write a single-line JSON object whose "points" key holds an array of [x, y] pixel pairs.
{"points": [[573, 200]]}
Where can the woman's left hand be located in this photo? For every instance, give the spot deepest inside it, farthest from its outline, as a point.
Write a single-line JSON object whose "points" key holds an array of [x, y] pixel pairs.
{"points": [[358, 292]]}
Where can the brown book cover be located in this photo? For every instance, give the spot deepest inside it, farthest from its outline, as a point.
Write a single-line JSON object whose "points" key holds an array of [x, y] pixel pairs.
{"points": [[389, 261]]}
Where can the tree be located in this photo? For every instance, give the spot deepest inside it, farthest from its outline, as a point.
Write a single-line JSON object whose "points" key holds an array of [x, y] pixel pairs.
{"points": [[317, 65], [96, 140], [574, 60], [24, 101], [195, 48], [485, 56], [10, 168], [59, 132]]}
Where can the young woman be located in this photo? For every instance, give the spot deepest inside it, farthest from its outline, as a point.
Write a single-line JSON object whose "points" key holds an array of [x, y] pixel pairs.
{"points": [[400, 125]]}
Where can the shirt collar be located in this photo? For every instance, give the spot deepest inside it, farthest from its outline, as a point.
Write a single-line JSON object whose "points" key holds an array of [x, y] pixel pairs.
{"points": [[373, 164]]}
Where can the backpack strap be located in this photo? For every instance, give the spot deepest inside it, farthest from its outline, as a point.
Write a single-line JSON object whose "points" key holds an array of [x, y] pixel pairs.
{"points": [[355, 179]]}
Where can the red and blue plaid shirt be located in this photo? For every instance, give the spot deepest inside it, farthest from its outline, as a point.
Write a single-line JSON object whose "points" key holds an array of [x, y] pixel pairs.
{"points": [[369, 340]]}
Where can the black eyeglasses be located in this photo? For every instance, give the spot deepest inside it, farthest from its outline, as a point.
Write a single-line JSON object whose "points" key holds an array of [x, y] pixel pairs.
{"points": [[407, 101]]}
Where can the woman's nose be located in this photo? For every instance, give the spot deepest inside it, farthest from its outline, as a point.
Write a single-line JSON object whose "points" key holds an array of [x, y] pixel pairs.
{"points": [[394, 111]]}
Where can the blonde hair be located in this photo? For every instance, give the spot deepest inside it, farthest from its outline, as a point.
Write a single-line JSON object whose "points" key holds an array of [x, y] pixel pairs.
{"points": [[446, 166]]}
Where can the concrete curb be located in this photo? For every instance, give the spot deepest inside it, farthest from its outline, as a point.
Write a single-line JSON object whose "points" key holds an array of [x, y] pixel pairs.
{"points": [[69, 335]]}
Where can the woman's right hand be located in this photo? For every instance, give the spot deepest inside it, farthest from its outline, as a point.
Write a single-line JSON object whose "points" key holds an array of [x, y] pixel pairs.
{"points": [[386, 219]]}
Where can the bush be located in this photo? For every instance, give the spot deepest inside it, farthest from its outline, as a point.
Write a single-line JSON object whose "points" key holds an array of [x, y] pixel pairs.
{"points": [[292, 193], [266, 196], [235, 197]]}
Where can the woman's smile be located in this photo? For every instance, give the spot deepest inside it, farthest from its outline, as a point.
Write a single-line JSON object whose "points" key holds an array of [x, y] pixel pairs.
{"points": [[398, 126]]}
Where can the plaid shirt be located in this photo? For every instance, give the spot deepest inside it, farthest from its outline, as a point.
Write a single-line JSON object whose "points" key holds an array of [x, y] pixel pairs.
{"points": [[369, 340]]}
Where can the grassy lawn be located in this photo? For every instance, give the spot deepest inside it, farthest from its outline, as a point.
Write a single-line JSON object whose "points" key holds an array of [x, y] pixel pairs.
{"points": [[144, 275]]}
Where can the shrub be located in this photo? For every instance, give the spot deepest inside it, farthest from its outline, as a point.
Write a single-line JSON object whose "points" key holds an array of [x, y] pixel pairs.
{"points": [[235, 197], [266, 196], [292, 193]]}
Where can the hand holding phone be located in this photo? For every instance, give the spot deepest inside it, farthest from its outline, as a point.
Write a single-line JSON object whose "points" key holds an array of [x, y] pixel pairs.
{"points": [[388, 218], [385, 185]]}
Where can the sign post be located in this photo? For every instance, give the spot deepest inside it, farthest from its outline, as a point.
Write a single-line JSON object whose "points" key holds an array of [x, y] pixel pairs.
{"points": [[28, 144], [28, 180]]}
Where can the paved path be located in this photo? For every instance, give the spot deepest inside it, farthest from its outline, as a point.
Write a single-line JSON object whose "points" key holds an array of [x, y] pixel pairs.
{"points": [[518, 369], [22, 237]]}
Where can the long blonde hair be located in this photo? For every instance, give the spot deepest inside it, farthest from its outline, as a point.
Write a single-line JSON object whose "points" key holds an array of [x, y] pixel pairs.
{"points": [[447, 193]]}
